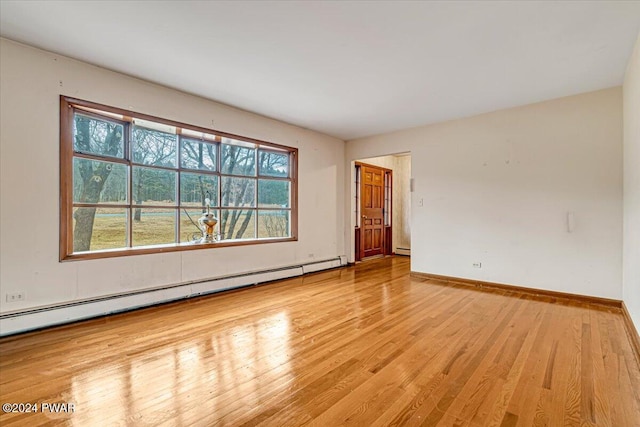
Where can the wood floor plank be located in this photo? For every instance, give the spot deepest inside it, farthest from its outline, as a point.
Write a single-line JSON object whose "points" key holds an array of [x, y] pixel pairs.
{"points": [[600, 385], [366, 345], [499, 415]]}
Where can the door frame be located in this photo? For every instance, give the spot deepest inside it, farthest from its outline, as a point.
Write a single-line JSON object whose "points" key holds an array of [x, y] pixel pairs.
{"points": [[387, 211]]}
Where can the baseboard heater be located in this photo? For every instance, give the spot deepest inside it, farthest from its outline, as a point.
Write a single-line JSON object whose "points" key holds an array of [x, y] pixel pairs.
{"points": [[41, 317], [403, 251]]}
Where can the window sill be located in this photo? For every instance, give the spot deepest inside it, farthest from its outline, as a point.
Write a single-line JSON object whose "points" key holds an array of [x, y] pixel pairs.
{"points": [[176, 247]]}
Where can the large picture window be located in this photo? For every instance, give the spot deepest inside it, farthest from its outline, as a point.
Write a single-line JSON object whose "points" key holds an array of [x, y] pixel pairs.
{"points": [[131, 183]]}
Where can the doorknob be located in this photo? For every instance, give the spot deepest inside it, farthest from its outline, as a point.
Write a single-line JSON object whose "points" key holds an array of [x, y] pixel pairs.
{"points": [[364, 216]]}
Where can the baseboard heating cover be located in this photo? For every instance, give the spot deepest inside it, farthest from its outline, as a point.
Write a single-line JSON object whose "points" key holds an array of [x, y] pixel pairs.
{"points": [[403, 251], [41, 317]]}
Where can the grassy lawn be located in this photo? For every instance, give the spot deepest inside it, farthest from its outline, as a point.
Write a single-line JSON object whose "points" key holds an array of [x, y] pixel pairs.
{"points": [[157, 226]]}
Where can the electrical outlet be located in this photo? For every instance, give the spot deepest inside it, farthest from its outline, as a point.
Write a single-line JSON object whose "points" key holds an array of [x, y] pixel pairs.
{"points": [[477, 265], [18, 296]]}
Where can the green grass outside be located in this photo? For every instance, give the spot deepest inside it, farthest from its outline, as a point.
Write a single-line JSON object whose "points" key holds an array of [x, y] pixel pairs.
{"points": [[109, 232]]}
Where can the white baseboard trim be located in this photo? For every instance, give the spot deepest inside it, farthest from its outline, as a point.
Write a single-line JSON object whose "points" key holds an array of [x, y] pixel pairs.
{"points": [[42, 317]]}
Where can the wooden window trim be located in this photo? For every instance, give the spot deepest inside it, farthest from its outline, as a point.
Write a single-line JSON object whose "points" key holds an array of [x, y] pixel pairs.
{"points": [[67, 106]]}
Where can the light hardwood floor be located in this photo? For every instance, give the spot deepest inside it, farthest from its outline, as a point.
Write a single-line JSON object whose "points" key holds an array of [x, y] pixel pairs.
{"points": [[364, 345]]}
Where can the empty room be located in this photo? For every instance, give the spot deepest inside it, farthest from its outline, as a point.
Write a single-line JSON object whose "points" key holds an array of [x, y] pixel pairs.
{"points": [[323, 213]]}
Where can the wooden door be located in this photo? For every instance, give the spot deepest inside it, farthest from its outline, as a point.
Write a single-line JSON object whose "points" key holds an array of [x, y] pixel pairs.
{"points": [[372, 235]]}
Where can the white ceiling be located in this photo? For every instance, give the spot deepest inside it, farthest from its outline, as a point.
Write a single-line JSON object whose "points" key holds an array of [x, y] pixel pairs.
{"points": [[347, 69]]}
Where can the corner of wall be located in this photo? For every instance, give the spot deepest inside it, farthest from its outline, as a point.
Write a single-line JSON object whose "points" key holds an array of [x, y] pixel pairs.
{"points": [[631, 187]]}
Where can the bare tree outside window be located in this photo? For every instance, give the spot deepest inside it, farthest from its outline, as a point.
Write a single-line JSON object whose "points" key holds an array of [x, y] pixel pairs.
{"points": [[237, 193], [156, 148], [100, 137]]}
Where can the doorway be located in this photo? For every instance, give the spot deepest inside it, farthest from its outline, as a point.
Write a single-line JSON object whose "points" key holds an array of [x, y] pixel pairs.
{"points": [[373, 232]]}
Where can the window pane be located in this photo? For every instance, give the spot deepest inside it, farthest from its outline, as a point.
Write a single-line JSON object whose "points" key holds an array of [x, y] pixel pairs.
{"points": [[95, 181], [153, 147], [273, 194], [194, 188], [274, 164], [198, 155], [189, 230], [238, 160], [273, 224], [153, 186], [97, 136], [99, 228], [153, 226], [238, 192], [237, 224]]}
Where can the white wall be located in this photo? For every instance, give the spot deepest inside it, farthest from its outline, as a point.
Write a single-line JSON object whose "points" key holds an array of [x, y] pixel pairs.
{"points": [[497, 189], [631, 249], [401, 198], [402, 212], [31, 81]]}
